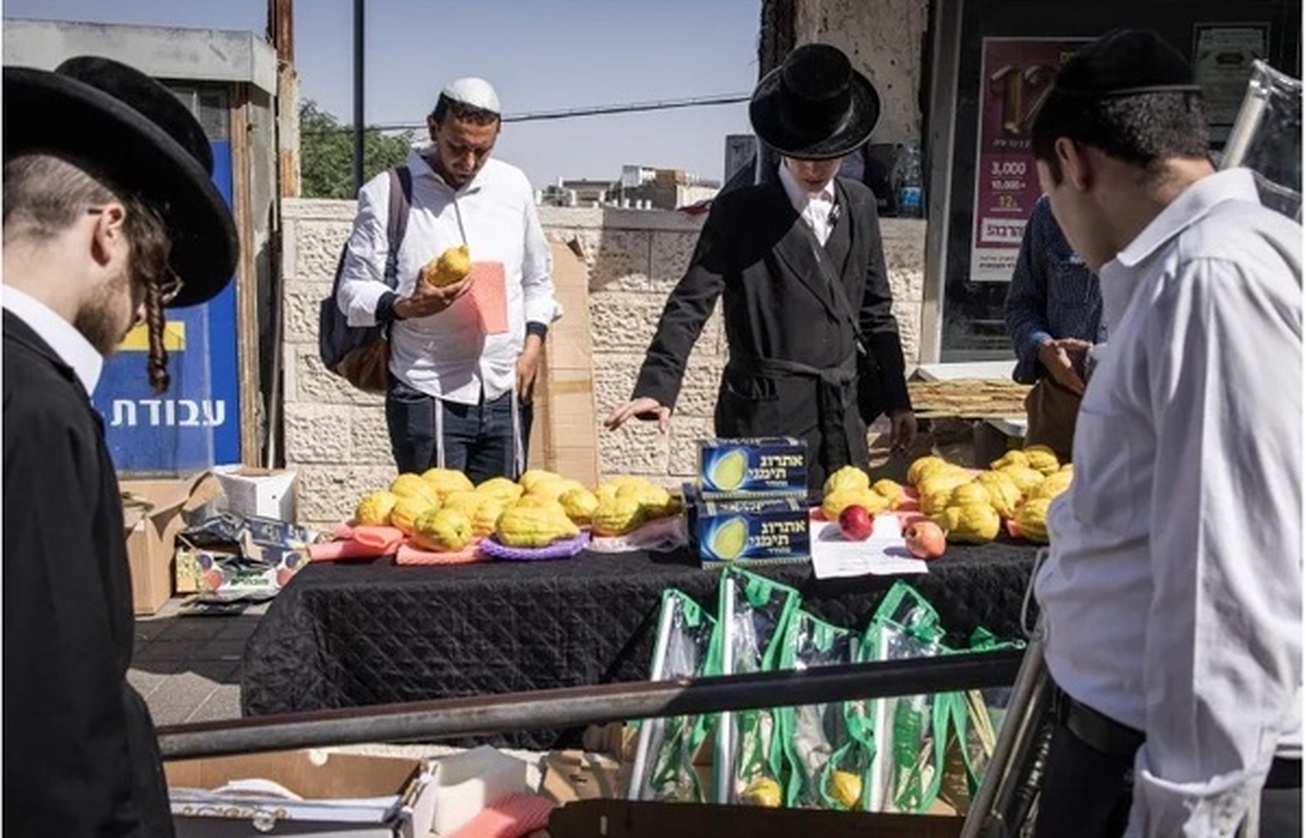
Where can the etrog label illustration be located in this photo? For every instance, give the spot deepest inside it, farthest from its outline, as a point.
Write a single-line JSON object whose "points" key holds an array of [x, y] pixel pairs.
{"points": [[729, 470], [773, 465], [729, 539], [759, 531]]}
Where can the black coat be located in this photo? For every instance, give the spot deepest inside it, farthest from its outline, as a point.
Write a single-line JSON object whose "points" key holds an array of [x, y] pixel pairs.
{"points": [[80, 753], [785, 321]]}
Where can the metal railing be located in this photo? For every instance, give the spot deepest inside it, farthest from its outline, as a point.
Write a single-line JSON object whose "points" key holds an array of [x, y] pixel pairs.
{"points": [[577, 706]]}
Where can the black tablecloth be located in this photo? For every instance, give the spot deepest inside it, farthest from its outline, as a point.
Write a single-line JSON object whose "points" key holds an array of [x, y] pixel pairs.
{"points": [[351, 634]]}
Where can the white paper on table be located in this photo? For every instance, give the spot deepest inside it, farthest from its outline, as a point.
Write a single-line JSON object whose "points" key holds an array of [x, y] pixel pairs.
{"points": [[883, 554]]}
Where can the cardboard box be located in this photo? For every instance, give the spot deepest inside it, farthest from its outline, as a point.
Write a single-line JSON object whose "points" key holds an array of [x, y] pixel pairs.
{"points": [[583, 775], [564, 436], [154, 511], [261, 492], [630, 819], [339, 794], [771, 465], [257, 561], [754, 532]]}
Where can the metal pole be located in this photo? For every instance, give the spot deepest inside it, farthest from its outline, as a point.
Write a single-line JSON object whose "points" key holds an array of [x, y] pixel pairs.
{"points": [[990, 809], [669, 606], [574, 706], [358, 95]]}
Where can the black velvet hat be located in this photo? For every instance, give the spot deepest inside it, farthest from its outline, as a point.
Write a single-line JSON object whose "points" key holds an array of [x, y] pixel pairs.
{"points": [[1125, 62], [128, 128], [814, 106]]}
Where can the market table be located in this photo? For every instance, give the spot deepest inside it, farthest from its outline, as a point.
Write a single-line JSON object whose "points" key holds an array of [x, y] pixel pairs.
{"points": [[355, 634]]}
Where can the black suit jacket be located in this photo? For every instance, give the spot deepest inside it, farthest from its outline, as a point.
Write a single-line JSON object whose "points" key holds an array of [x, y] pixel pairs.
{"points": [[781, 303], [80, 753]]}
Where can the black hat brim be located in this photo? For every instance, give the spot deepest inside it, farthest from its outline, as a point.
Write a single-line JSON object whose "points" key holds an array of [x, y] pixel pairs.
{"points": [[49, 112], [853, 131]]}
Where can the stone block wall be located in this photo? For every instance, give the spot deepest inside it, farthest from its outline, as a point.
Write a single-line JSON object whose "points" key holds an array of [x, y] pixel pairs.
{"points": [[885, 40], [335, 436]]}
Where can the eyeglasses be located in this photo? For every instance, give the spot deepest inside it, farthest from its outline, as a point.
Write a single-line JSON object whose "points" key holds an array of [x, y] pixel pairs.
{"points": [[169, 286]]}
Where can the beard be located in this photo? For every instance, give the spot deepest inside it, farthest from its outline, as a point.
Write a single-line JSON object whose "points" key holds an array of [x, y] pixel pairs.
{"points": [[106, 317]]}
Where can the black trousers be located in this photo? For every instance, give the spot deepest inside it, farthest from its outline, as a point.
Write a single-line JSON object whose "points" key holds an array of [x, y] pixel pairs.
{"points": [[1087, 794], [479, 440]]}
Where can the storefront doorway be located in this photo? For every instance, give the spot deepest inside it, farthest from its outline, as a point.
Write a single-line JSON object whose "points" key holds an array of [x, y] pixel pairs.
{"points": [[991, 61]]}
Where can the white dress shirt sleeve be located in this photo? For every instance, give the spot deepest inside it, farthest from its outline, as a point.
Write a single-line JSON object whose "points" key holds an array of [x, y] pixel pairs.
{"points": [[1222, 663], [537, 270], [362, 282]]}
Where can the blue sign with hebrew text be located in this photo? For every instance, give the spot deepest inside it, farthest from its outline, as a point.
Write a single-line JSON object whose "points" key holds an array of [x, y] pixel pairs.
{"points": [[196, 423]]}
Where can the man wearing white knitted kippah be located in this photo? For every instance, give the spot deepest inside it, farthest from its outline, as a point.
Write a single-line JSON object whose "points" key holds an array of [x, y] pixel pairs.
{"points": [[464, 352]]}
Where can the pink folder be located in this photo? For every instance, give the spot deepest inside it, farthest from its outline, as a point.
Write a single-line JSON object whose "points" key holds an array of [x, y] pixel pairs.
{"points": [[489, 293]]}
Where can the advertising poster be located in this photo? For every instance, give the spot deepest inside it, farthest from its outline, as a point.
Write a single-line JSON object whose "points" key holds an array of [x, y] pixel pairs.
{"points": [[1016, 73], [1222, 62], [196, 423]]}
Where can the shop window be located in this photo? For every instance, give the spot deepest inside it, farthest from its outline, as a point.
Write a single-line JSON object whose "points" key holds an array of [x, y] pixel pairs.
{"points": [[1004, 58]]}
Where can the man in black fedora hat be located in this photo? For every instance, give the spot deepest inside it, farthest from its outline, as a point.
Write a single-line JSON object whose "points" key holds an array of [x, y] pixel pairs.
{"points": [[813, 343], [1172, 594], [109, 215]]}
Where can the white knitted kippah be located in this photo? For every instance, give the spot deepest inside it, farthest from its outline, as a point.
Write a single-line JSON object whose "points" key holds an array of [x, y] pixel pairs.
{"points": [[475, 92]]}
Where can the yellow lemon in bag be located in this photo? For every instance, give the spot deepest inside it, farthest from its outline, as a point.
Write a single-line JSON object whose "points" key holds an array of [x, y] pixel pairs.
{"points": [[762, 792], [846, 788]]}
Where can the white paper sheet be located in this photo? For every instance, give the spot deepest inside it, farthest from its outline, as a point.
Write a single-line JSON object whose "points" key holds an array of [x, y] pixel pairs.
{"points": [[883, 554]]}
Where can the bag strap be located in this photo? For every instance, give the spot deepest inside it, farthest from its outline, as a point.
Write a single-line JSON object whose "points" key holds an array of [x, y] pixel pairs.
{"points": [[401, 198]]}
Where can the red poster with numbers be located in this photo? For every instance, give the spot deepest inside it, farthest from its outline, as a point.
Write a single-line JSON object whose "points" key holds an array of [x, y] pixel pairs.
{"points": [[1016, 73]]}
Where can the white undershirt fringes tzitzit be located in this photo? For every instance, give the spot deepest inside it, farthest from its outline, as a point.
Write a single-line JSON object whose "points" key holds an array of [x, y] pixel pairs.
{"points": [[1173, 592], [448, 355], [817, 209], [68, 343]]}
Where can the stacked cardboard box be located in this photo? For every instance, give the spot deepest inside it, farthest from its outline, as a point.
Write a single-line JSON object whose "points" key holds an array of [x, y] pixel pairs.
{"points": [[564, 437], [154, 511], [749, 506]]}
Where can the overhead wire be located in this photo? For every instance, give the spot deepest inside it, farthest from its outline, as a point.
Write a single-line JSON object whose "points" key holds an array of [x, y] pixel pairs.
{"points": [[570, 113]]}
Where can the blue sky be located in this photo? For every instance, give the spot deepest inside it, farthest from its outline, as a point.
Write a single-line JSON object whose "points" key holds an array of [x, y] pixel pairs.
{"points": [[539, 54]]}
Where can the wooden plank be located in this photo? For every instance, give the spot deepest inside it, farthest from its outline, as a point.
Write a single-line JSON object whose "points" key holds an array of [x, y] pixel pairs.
{"points": [[247, 331]]}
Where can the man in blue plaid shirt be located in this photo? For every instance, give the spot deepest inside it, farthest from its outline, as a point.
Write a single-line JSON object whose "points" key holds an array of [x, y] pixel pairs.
{"points": [[1054, 316]]}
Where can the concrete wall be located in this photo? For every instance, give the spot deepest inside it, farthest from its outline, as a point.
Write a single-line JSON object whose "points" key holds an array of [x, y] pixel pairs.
{"points": [[335, 436], [209, 55], [885, 40]]}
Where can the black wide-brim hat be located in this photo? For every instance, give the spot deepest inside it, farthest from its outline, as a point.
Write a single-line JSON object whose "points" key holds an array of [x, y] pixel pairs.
{"points": [[814, 106], [124, 126]]}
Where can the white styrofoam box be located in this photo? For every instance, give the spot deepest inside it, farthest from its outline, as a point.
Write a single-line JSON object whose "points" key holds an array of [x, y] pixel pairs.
{"points": [[264, 493], [465, 784]]}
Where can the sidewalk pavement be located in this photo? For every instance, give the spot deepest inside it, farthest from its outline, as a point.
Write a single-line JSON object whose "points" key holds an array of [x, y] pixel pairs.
{"points": [[188, 667]]}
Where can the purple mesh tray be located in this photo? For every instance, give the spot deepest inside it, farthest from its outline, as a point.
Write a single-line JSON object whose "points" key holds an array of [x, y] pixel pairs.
{"points": [[557, 550]]}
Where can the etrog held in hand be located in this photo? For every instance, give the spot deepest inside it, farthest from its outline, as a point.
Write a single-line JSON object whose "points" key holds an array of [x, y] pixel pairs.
{"points": [[449, 267]]}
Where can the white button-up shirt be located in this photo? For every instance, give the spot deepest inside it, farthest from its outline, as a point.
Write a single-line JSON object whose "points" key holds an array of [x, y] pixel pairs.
{"points": [[1173, 590], [817, 209], [68, 343], [448, 355]]}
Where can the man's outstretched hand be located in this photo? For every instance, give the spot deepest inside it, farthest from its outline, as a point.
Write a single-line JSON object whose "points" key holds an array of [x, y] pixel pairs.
{"points": [[644, 408]]}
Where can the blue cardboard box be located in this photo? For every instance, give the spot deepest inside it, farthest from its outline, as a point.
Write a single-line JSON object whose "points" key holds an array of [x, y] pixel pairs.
{"points": [[748, 531], [748, 466]]}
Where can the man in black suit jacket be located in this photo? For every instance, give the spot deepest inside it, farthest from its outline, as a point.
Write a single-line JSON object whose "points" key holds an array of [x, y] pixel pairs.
{"points": [[797, 259], [109, 215]]}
